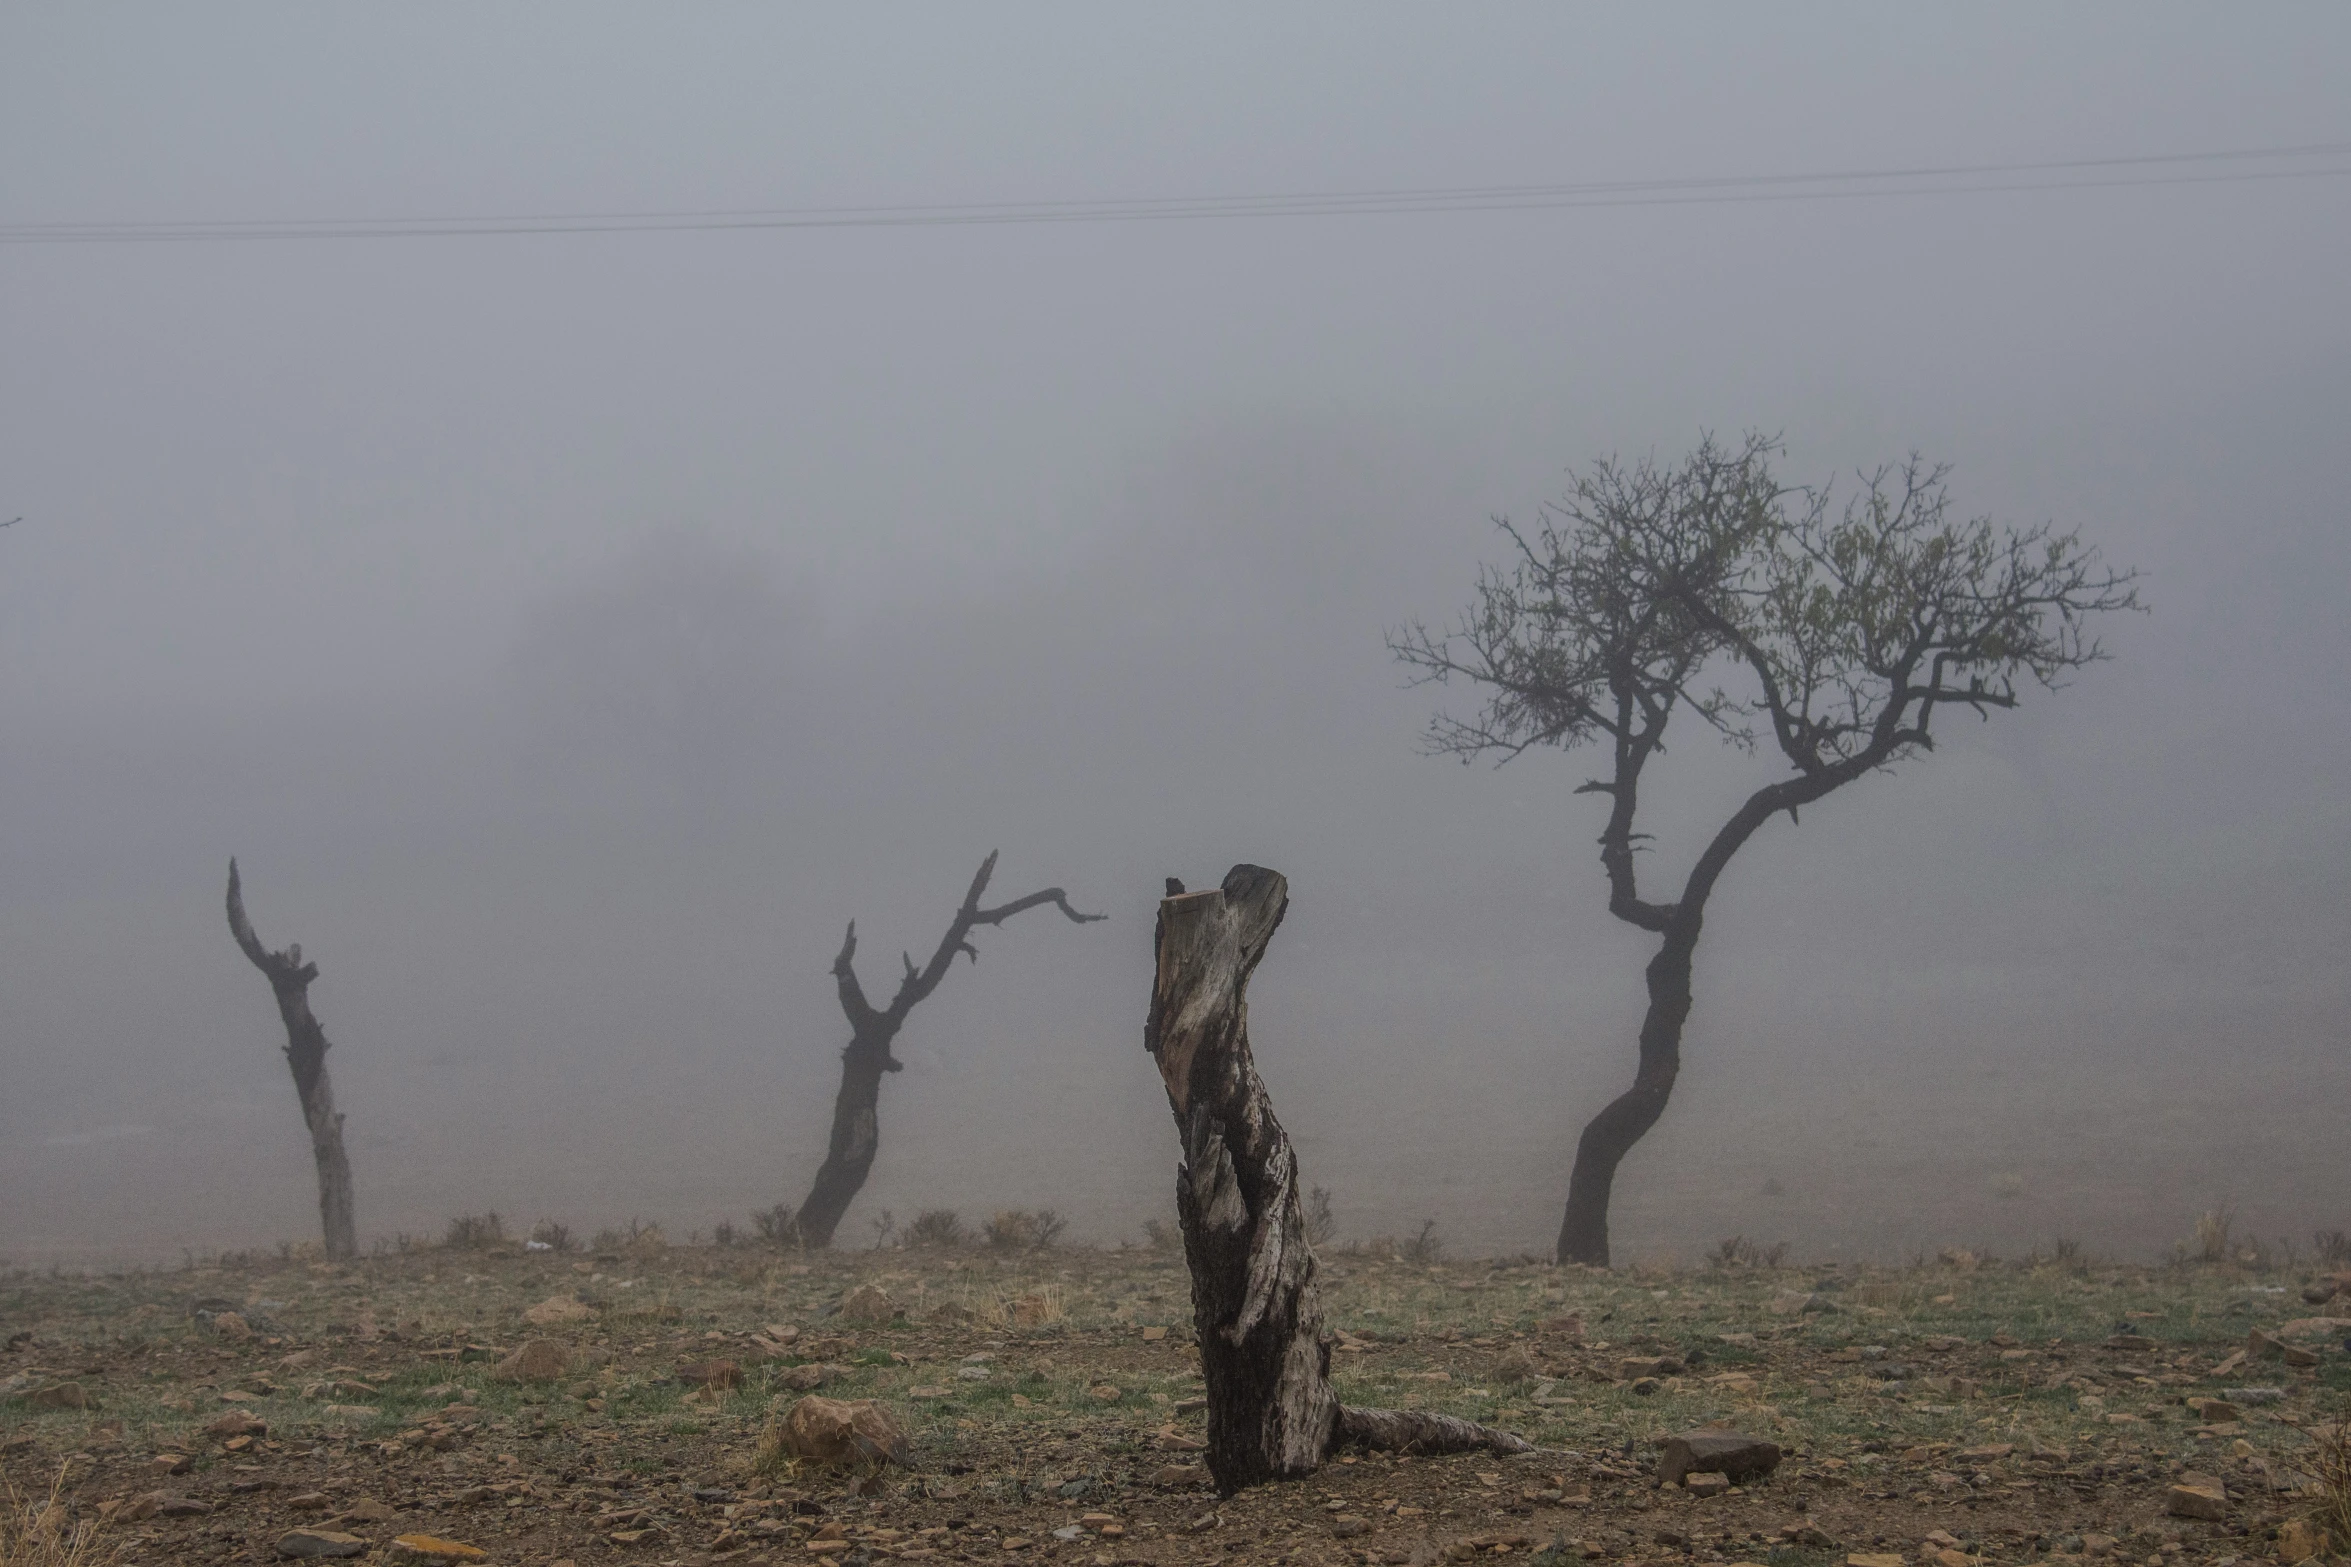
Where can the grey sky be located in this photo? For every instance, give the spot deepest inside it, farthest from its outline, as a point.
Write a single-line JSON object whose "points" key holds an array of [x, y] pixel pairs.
{"points": [[571, 632]]}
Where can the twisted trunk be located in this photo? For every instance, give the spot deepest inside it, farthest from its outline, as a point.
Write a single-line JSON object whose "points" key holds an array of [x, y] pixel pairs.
{"points": [[306, 1053], [1610, 1135], [1272, 1413], [856, 1138]]}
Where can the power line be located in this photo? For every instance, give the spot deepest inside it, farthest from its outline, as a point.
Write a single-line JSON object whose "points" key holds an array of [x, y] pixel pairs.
{"points": [[2324, 160]]}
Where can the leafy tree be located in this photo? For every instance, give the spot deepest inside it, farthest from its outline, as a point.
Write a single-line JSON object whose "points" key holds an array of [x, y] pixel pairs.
{"points": [[1826, 635]]}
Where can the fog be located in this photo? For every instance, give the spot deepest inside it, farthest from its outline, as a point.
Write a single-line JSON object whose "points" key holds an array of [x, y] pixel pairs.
{"points": [[571, 633]]}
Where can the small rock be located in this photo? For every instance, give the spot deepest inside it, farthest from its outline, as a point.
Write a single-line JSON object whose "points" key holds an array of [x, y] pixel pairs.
{"points": [[421, 1548], [1178, 1475], [1517, 1365], [231, 1326], [367, 1510], [2260, 1346], [306, 1544], [1706, 1482], [1106, 1392], [181, 1507], [557, 1309], [2208, 1502], [1634, 1369], [842, 1433], [1950, 1557], [2253, 1395], [60, 1395], [1348, 1525], [308, 1502], [236, 1423], [2298, 1357], [1171, 1440], [540, 1360], [869, 1304], [169, 1463], [803, 1379], [2300, 1541], [1729, 1453], [2215, 1411], [2098, 1544], [972, 1373], [1874, 1559]]}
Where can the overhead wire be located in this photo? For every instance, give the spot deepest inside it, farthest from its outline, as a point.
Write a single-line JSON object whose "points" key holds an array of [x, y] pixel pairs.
{"points": [[2319, 160]]}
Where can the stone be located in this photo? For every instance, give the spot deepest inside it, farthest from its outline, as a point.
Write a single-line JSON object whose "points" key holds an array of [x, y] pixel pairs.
{"points": [[711, 1373], [1031, 1311], [169, 1463], [2319, 1291], [2300, 1541], [231, 1326], [540, 1360], [367, 1510], [1706, 1482], [558, 1309], [310, 1544], [1106, 1392], [2253, 1395], [60, 1395], [1874, 1559], [181, 1507], [868, 1304], [2207, 1502], [2298, 1357], [309, 1502], [2215, 1411], [422, 1548], [1729, 1453], [1171, 1440], [236, 1423], [1517, 1364], [1637, 1367], [803, 1379], [843, 1433], [1346, 1526], [1179, 1475]]}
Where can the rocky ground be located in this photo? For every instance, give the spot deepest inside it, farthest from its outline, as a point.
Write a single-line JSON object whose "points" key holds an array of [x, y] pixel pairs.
{"points": [[539, 1406]]}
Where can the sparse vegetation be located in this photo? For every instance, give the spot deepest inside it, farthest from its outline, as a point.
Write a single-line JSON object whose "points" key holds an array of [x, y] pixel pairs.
{"points": [[777, 1226], [1424, 1247], [474, 1232], [936, 1229], [1322, 1225], [44, 1531], [1160, 1235], [2332, 1248], [554, 1236], [1017, 1229], [1740, 1252]]}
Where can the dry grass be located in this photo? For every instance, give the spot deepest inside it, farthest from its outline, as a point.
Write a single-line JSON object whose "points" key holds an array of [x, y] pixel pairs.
{"points": [[2331, 1468], [43, 1533]]}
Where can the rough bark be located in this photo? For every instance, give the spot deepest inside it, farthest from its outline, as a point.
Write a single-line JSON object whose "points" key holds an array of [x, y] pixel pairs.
{"points": [[1610, 1135], [856, 1135], [1272, 1413], [306, 1053]]}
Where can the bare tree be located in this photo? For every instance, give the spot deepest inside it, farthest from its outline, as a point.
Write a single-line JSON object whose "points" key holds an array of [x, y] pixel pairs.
{"points": [[1272, 1412], [1844, 629], [856, 1132], [306, 1052]]}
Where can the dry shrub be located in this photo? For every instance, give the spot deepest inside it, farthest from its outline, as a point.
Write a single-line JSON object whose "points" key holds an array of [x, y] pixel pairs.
{"points": [[45, 1533], [2330, 1467], [936, 1228], [1160, 1235], [2332, 1246], [474, 1231], [555, 1237], [778, 1226], [1021, 1306], [1740, 1252], [1424, 1247], [1017, 1229], [1322, 1226], [2210, 1243]]}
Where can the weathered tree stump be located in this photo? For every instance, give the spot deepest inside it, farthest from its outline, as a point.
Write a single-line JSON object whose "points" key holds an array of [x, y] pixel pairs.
{"points": [[1272, 1413], [306, 1053]]}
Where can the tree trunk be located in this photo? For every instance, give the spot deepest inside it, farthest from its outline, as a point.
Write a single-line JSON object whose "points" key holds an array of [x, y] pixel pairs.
{"points": [[856, 1138], [306, 1053], [1610, 1135], [1272, 1413]]}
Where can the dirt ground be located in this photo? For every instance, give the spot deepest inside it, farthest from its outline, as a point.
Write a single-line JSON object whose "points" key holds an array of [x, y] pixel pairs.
{"points": [[1944, 1414]]}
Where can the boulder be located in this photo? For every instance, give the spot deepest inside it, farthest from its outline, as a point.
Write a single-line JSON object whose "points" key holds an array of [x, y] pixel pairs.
{"points": [[2208, 1501], [1729, 1453], [842, 1433]]}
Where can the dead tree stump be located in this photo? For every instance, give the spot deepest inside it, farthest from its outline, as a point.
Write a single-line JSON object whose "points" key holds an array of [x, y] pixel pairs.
{"points": [[1272, 1413], [306, 1053]]}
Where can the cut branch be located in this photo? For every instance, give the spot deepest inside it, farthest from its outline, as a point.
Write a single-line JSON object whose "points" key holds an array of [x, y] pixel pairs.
{"points": [[1272, 1413], [306, 1053]]}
